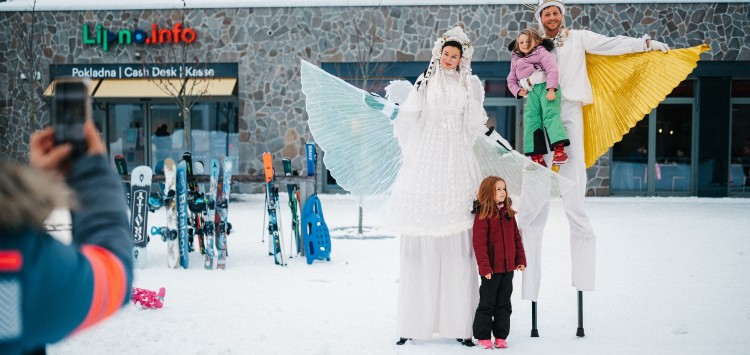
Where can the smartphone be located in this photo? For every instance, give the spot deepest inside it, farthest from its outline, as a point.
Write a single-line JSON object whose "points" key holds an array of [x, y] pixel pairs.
{"points": [[71, 107]]}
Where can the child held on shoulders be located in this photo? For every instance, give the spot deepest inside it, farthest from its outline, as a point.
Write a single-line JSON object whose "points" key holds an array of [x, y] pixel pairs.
{"points": [[542, 112], [499, 251]]}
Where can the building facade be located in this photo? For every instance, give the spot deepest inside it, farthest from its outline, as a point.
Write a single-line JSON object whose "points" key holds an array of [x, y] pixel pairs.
{"points": [[237, 73]]}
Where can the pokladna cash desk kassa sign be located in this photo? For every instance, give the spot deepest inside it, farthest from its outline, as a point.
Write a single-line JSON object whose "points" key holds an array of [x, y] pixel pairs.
{"points": [[138, 70]]}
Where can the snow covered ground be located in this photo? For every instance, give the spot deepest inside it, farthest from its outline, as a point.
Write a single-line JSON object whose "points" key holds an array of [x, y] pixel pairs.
{"points": [[672, 278]]}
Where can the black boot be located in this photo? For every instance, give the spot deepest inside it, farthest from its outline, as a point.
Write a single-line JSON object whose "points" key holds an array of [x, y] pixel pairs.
{"points": [[466, 342], [402, 341]]}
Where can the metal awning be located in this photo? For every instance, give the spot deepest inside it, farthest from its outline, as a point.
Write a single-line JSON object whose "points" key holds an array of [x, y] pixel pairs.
{"points": [[51, 88], [156, 88], [159, 88]]}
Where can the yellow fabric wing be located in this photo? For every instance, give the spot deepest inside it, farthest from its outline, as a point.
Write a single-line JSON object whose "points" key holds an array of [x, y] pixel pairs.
{"points": [[626, 88]]}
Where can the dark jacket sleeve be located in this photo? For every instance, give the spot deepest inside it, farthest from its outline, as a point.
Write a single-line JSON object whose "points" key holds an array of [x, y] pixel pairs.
{"points": [[70, 287], [520, 253], [479, 239], [101, 218]]}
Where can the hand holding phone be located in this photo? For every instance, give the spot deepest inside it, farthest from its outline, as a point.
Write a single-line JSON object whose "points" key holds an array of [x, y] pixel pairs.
{"points": [[45, 155], [71, 108]]}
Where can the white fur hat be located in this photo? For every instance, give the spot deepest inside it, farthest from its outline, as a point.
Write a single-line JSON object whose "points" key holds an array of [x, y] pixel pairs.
{"points": [[543, 4]]}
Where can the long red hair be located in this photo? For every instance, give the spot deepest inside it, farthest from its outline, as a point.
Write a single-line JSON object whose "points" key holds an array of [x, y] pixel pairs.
{"points": [[487, 207]]}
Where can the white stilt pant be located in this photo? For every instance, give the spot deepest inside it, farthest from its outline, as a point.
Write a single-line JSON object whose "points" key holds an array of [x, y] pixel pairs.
{"points": [[531, 221]]}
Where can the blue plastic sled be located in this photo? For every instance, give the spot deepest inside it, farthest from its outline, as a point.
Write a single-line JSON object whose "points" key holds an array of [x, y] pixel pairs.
{"points": [[315, 234]]}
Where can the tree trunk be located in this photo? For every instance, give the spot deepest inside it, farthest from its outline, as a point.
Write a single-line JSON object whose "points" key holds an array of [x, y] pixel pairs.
{"points": [[186, 127]]}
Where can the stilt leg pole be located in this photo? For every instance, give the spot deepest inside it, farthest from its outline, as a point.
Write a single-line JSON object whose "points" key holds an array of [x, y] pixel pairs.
{"points": [[534, 331], [579, 332]]}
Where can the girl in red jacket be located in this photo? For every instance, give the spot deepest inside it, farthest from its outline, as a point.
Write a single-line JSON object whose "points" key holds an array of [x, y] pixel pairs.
{"points": [[499, 252]]}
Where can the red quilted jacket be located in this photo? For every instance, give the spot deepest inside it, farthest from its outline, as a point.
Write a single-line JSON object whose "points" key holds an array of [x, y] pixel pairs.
{"points": [[497, 244]]}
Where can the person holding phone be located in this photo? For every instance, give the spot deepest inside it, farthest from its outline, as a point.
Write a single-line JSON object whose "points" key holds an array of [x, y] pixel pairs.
{"points": [[49, 289]]}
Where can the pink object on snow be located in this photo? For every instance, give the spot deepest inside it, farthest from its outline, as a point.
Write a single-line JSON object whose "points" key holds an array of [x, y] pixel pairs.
{"points": [[148, 298], [485, 343]]}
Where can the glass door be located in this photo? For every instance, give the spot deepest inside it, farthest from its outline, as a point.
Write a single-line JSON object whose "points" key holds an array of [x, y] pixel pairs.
{"points": [[126, 134], [739, 168], [674, 146], [630, 161], [167, 134]]}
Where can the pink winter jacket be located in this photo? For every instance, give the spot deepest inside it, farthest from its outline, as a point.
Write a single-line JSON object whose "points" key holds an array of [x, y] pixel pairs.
{"points": [[522, 67]]}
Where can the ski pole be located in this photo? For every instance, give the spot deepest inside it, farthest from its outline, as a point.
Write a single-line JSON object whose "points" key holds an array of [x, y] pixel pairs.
{"points": [[279, 223], [579, 332], [264, 226], [291, 250]]}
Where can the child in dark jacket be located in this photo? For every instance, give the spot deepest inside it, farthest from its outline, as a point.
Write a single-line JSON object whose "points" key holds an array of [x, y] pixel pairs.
{"points": [[499, 252]]}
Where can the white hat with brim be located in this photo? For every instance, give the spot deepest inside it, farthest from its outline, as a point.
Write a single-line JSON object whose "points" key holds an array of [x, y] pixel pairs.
{"points": [[543, 4]]}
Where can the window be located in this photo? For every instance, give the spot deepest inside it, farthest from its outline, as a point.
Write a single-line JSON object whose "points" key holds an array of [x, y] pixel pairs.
{"points": [[630, 160], [739, 167]]}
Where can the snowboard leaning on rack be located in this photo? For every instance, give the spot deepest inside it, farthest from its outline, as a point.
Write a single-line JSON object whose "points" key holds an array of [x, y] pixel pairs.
{"points": [[209, 225], [140, 189], [272, 208], [122, 169], [294, 198], [169, 232], [182, 214], [195, 205], [222, 211]]}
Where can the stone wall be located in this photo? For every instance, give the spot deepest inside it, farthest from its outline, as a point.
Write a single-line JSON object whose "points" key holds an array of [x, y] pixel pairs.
{"points": [[268, 44]]}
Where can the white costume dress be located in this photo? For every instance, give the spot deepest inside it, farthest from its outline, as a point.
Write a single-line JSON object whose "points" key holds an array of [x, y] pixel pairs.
{"points": [[421, 171], [430, 207]]}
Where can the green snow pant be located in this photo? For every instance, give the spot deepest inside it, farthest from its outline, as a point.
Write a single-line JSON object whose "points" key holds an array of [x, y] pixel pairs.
{"points": [[541, 114]]}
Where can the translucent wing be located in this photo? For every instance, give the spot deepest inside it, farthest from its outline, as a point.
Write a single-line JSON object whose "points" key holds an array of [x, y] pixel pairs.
{"points": [[360, 148], [626, 88], [519, 172]]}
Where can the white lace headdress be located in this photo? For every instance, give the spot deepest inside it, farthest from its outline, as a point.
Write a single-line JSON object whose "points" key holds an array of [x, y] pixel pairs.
{"points": [[467, 51]]}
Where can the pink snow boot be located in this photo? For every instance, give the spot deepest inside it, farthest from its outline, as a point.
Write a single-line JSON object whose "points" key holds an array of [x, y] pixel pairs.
{"points": [[539, 159], [485, 343], [148, 298], [501, 343], [560, 157]]}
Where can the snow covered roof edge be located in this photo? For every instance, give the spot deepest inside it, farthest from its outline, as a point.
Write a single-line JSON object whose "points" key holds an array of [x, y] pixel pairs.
{"points": [[78, 5]]}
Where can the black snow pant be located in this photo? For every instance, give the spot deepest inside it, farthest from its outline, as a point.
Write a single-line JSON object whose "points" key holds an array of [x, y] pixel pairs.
{"points": [[493, 312]]}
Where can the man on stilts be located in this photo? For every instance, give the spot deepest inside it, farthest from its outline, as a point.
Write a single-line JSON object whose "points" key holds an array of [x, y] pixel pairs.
{"points": [[571, 49]]}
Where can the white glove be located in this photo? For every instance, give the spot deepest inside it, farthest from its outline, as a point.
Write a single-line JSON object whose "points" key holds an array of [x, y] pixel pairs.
{"points": [[657, 46], [524, 84]]}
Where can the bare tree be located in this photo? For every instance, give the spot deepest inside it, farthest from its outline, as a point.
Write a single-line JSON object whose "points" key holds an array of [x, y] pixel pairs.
{"points": [[29, 67], [368, 47], [185, 90]]}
